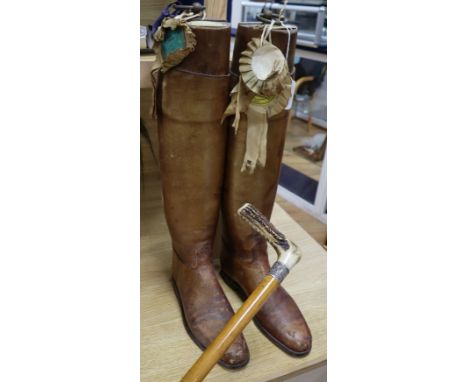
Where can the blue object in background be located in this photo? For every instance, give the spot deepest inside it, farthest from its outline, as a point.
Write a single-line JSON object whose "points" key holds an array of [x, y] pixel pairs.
{"points": [[229, 10]]}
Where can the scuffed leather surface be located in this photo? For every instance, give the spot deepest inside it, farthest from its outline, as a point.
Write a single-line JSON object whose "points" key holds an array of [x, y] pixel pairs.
{"points": [[244, 258], [206, 307], [192, 150], [211, 55]]}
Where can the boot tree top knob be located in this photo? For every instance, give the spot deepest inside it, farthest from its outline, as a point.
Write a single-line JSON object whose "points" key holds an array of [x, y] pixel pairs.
{"points": [[268, 14], [288, 253]]}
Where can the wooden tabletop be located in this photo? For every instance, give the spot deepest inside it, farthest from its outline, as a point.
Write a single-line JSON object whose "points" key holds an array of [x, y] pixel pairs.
{"points": [[146, 62], [167, 352]]}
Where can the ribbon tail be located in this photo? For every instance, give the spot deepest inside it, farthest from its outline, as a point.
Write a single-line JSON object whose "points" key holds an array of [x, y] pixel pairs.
{"points": [[263, 144], [255, 145]]}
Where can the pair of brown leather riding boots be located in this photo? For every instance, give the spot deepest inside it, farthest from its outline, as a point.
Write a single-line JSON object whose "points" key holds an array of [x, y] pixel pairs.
{"points": [[200, 161]]}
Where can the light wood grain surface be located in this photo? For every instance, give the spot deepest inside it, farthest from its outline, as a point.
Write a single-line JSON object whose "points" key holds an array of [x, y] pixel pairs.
{"points": [[311, 225], [146, 62], [151, 9], [216, 9], [167, 352]]}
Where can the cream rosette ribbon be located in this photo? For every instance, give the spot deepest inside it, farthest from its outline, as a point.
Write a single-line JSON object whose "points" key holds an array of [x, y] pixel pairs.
{"points": [[263, 90]]}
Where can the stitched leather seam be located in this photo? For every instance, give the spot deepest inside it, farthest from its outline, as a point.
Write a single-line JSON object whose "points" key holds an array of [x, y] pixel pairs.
{"points": [[202, 74]]}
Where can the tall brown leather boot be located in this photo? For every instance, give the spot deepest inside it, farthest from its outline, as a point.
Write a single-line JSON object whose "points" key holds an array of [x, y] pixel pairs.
{"points": [[191, 99], [244, 257]]}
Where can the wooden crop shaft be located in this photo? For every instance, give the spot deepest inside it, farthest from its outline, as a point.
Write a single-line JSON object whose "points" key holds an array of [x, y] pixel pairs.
{"points": [[233, 328]]}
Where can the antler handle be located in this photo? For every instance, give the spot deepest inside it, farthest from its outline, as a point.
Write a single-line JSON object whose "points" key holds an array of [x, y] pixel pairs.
{"points": [[261, 224], [288, 253]]}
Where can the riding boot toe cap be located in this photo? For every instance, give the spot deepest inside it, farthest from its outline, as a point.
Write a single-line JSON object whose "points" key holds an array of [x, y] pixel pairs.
{"points": [[237, 355], [296, 338]]}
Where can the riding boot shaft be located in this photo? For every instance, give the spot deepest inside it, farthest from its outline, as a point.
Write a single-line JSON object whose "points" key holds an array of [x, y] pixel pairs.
{"points": [[190, 101], [244, 257]]}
